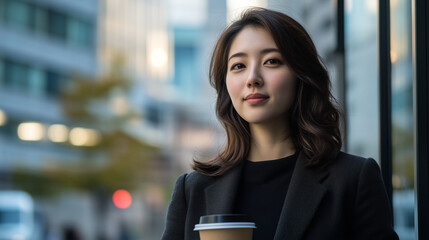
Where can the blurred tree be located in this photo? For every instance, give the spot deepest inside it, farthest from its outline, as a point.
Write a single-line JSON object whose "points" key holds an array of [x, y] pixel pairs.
{"points": [[403, 157], [119, 160]]}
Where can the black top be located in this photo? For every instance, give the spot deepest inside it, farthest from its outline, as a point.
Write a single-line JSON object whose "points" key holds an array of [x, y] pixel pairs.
{"points": [[262, 191]]}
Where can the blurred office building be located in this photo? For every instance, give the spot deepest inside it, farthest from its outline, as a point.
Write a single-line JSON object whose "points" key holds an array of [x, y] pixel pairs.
{"points": [[43, 45], [163, 48], [150, 60], [103, 103]]}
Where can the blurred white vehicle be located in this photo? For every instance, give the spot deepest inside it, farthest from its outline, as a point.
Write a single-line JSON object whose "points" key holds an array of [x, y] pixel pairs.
{"points": [[16, 215]]}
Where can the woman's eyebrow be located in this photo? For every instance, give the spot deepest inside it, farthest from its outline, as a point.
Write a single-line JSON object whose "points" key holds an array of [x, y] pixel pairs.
{"points": [[263, 51], [239, 54], [268, 50]]}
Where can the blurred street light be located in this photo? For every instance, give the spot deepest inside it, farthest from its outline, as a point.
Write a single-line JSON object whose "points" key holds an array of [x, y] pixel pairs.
{"points": [[157, 47], [393, 56], [84, 137], [31, 131], [158, 58], [236, 7], [3, 118], [58, 133]]}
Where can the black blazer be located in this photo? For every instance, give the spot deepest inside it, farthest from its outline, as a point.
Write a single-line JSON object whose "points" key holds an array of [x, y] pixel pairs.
{"points": [[347, 200]]}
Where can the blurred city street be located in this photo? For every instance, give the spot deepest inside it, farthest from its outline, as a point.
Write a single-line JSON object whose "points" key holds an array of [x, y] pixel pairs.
{"points": [[104, 103]]}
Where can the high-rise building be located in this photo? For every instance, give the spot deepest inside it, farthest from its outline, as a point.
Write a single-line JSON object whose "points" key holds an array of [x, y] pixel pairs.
{"points": [[45, 45], [42, 45]]}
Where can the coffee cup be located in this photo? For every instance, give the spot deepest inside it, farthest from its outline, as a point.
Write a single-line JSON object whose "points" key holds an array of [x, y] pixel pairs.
{"points": [[225, 227]]}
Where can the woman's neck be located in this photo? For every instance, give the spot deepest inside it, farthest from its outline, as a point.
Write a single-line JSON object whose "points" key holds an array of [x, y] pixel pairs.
{"points": [[270, 142]]}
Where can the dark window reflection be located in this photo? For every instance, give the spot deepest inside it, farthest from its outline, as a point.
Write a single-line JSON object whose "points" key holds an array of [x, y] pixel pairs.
{"points": [[57, 25], [8, 216], [30, 79], [41, 20], [54, 23], [18, 13]]}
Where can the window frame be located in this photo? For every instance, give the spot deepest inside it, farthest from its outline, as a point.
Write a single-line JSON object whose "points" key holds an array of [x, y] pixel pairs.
{"points": [[421, 106]]}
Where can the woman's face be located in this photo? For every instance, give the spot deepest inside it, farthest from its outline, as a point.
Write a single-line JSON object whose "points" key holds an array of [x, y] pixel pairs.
{"points": [[260, 83]]}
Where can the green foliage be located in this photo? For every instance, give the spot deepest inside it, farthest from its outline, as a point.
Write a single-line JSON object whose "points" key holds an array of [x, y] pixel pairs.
{"points": [[85, 90], [118, 161], [403, 156]]}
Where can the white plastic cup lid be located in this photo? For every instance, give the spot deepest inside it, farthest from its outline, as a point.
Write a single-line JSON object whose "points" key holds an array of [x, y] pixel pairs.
{"points": [[225, 225]]}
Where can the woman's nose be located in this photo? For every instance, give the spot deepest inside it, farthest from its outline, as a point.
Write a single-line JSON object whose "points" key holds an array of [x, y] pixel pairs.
{"points": [[254, 79]]}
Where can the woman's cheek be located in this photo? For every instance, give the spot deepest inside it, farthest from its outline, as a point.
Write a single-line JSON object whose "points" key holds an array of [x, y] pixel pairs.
{"points": [[233, 88]]}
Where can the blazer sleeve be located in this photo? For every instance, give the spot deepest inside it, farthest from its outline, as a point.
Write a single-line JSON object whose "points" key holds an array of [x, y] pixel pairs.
{"points": [[176, 215], [372, 214]]}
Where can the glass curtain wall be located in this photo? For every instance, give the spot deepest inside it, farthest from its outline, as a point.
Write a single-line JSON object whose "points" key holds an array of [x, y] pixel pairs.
{"points": [[402, 118], [361, 78], [362, 98]]}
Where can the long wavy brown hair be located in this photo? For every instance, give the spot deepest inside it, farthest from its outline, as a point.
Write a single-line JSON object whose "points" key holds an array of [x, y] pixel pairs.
{"points": [[314, 119]]}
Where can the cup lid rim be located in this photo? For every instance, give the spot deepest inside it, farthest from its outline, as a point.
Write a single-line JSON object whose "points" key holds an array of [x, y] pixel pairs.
{"points": [[225, 225]]}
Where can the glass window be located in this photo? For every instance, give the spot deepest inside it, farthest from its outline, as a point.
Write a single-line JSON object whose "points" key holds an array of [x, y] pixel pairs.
{"points": [[41, 22], [153, 115], [8, 216], [16, 75], [362, 98], [36, 81], [77, 32], [185, 61], [2, 9], [53, 83], [31, 79], [57, 24], [402, 118], [18, 13]]}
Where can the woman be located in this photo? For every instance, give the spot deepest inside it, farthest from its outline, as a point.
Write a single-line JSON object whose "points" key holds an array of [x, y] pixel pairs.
{"points": [[282, 164]]}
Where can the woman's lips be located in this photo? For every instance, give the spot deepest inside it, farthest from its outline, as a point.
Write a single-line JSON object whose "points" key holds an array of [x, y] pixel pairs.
{"points": [[255, 98]]}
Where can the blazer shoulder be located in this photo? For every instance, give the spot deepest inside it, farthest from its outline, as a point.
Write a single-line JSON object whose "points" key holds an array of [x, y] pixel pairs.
{"points": [[349, 163], [352, 157], [353, 160], [196, 180]]}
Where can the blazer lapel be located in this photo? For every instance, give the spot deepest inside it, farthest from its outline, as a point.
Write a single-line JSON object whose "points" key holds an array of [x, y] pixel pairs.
{"points": [[220, 195], [302, 200]]}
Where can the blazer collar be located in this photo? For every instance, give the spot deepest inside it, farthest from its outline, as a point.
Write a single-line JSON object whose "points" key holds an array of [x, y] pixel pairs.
{"points": [[302, 200], [304, 195]]}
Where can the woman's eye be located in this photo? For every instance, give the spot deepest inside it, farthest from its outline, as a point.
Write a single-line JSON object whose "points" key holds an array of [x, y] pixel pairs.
{"points": [[237, 66], [272, 61]]}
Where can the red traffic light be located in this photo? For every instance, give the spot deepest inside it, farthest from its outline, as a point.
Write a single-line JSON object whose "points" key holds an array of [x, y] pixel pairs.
{"points": [[122, 199]]}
